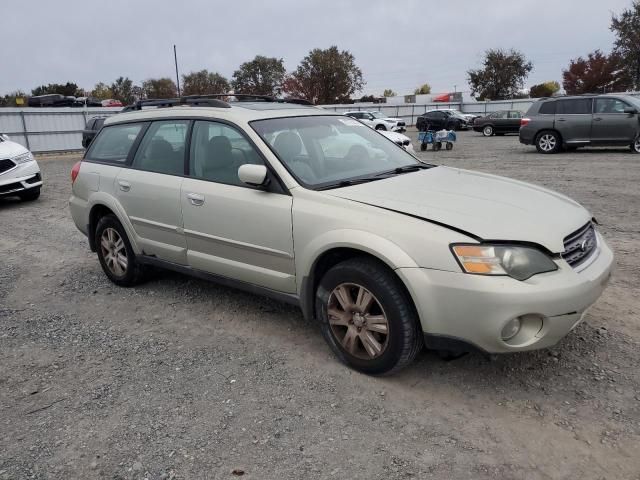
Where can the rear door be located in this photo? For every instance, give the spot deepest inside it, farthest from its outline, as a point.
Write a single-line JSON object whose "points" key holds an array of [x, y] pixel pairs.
{"points": [[611, 125], [149, 190], [573, 120]]}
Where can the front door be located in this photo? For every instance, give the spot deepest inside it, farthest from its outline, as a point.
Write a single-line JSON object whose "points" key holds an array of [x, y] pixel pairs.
{"points": [[611, 124], [232, 229], [573, 120], [149, 191]]}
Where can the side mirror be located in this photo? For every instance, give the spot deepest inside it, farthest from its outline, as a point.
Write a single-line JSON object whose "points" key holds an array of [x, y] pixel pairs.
{"points": [[630, 110], [253, 175]]}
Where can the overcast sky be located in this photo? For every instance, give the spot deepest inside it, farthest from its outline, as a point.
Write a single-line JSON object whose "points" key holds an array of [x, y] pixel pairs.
{"points": [[397, 44]]}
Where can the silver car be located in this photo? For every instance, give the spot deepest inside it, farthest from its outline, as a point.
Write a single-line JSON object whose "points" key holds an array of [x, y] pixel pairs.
{"points": [[316, 209]]}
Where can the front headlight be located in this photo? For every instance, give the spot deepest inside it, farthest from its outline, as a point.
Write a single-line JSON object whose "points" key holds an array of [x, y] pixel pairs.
{"points": [[23, 158], [517, 262]]}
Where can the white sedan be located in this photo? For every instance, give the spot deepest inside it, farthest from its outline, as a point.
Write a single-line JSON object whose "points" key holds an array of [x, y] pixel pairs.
{"points": [[378, 121], [19, 172]]}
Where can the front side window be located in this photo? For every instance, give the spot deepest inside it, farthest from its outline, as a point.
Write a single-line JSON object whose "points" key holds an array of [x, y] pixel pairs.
{"points": [[217, 152], [610, 105], [114, 143], [577, 106], [162, 148], [325, 151]]}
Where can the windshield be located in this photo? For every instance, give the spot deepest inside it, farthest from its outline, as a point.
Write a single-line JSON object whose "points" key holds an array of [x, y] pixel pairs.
{"points": [[329, 151], [378, 115]]}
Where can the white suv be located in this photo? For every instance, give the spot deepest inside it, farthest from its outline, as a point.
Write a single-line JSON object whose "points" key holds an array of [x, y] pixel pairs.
{"points": [[379, 121], [313, 208], [19, 172]]}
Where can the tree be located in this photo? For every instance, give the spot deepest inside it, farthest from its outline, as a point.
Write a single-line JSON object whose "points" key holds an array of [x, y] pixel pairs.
{"points": [[260, 76], [626, 27], [9, 100], [325, 76], [101, 92], [68, 89], [159, 88], [122, 89], [546, 89], [502, 76], [204, 82], [423, 90], [389, 93], [598, 73]]}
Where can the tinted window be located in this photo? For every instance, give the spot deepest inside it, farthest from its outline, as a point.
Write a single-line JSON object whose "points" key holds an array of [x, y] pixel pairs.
{"points": [[162, 148], [548, 108], [577, 106], [515, 114], [610, 105], [114, 142], [217, 151]]}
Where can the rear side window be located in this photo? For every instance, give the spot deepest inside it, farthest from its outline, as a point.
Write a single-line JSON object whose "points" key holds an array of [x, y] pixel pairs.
{"points": [[114, 143], [548, 108], [515, 114], [576, 106], [162, 148]]}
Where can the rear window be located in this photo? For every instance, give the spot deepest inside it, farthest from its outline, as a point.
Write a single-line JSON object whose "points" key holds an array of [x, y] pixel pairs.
{"points": [[548, 108], [114, 142], [576, 106]]}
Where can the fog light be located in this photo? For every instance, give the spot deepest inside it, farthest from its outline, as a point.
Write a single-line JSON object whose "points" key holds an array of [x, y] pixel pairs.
{"points": [[511, 329]]}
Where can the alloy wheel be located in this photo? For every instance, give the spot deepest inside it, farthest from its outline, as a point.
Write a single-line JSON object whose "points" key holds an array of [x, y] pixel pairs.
{"points": [[358, 321], [636, 145], [114, 251], [547, 142], [488, 131]]}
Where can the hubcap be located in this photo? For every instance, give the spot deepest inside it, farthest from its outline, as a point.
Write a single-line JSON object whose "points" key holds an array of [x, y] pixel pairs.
{"points": [[358, 321], [488, 131], [547, 142], [113, 251]]}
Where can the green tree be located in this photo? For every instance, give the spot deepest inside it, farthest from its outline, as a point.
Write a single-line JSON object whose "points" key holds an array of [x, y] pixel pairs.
{"points": [[101, 91], [598, 73], [261, 76], [68, 89], [545, 89], [502, 76], [203, 83], [325, 76], [159, 88], [423, 90], [9, 100], [389, 93], [122, 89], [626, 28]]}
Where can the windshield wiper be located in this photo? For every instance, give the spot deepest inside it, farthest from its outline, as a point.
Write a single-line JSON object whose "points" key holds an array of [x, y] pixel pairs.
{"points": [[404, 169], [348, 183]]}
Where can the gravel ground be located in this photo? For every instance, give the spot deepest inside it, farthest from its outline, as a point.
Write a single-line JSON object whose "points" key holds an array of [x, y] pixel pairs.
{"points": [[180, 378]]}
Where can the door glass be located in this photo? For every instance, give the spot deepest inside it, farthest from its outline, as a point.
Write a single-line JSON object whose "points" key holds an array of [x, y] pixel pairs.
{"points": [[217, 151], [113, 143], [162, 148], [515, 114], [577, 106], [610, 105], [548, 108]]}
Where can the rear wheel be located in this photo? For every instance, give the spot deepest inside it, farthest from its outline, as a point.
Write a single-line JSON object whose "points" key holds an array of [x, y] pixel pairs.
{"points": [[635, 146], [548, 142], [115, 254], [367, 318], [449, 146], [30, 194], [487, 131], [423, 147]]}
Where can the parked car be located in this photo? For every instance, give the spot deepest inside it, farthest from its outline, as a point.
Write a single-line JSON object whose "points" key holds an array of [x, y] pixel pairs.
{"points": [[379, 121], [468, 117], [94, 124], [385, 252], [440, 119], [399, 139], [50, 100], [572, 122], [19, 172], [498, 123], [112, 103]]}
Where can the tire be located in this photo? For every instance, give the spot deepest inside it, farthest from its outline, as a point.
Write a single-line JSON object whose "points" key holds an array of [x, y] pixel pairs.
{"points": [[423, 147], [127, 275], [30, 195], [548, 142], [449, 146], [341, 292], [380, 127], [487, 130], [635, 146]]}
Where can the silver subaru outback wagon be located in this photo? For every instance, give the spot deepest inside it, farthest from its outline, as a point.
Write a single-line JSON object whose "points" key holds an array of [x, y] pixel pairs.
{"points": [[386, 253]]}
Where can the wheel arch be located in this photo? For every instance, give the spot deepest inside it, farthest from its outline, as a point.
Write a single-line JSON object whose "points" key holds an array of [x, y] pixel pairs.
{"points": [[101, 205], [549, 129]]}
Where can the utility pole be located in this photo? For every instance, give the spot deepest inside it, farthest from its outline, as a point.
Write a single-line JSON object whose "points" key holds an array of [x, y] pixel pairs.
{"points": [[175, 59]]}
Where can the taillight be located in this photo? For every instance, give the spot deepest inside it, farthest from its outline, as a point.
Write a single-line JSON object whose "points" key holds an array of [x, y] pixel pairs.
{"points": [[75, 171], [524, 122]]}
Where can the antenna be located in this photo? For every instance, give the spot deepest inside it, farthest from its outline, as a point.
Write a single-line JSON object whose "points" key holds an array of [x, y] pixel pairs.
{"points": [[175, 59]]}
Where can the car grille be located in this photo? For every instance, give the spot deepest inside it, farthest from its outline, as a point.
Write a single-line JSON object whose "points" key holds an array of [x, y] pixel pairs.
{"points": [[5, 165], [402, 124], [580, 245]]}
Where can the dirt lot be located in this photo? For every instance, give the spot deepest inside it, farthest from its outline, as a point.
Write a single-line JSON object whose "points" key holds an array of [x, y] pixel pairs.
{"points": [[184, 379]]}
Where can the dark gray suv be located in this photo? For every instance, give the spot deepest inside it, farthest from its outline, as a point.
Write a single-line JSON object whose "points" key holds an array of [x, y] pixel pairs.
{"points": [[587, 120]]}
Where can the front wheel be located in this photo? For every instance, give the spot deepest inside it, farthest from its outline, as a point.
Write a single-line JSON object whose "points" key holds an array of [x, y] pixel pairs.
{"points": [[380, 127], [548, 142], [487, 131], [423, 147], [635, 146], [367, 318], [115, 254]]}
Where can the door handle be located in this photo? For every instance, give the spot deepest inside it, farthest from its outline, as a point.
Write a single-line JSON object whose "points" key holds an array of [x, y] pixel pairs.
{"points": [[124, 186], [597, 119], [195, 199], [562, 119]]}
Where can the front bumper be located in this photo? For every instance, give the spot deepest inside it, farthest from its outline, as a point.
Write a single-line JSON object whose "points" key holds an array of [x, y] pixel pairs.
{"points": [[399, 128], [474, 309], [23, 177]]}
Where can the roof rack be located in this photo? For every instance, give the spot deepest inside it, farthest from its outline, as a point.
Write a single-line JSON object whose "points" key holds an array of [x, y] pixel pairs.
{"points": [[211, 100], [249, 97]]}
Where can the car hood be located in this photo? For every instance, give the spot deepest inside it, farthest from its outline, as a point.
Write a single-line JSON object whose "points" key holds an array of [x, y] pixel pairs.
{"points": [[483, 205], [394, 136], [9, 149], [391, 119]]}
